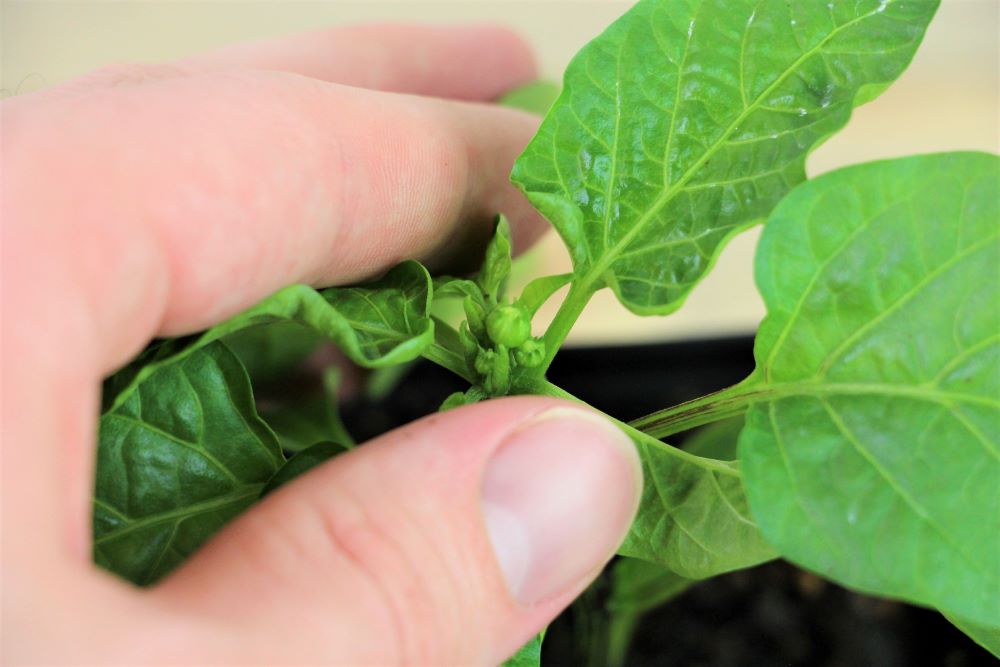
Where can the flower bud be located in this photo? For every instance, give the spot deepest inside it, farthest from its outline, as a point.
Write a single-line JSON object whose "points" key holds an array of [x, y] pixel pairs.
{"points": [[507, 326], [531, 353]]}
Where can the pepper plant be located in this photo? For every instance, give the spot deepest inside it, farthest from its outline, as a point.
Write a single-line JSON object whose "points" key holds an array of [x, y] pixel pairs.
{"points": [[871, 447]]}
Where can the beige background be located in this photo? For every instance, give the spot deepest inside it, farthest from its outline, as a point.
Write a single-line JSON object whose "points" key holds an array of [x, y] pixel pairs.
{"points": [[947, 100]]}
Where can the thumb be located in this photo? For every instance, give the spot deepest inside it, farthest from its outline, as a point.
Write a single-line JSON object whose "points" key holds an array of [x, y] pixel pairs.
{"points": [[450, 541]]}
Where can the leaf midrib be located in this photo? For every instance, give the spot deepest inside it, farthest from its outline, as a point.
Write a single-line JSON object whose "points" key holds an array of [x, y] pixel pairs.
{"points": [[594, 274], [248, 491]]}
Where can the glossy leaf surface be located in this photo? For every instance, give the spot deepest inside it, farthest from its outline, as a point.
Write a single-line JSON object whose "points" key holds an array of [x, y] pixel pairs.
{"points": [[872, 451], [688, 120], [183, 454]]}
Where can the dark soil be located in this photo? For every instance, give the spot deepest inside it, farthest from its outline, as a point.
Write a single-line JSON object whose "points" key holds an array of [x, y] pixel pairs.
{"points": [[769, 616]]}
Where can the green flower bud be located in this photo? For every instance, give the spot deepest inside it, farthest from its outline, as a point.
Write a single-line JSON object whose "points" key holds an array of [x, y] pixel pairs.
{"points": [[508, 326], [485, 361], [531, 353]]}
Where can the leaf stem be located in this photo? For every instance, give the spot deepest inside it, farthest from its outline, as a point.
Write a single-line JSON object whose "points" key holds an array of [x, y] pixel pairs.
{"points": [[569, 311], [730, 402]]}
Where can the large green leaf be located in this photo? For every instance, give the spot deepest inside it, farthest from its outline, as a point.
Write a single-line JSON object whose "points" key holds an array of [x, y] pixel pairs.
{"points": [[379, 324], [872, 448], [693, 517], [986, 636], [183, 454], [688, 120]]}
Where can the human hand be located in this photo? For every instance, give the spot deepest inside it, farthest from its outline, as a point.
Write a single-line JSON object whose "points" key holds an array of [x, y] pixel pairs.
{"points": [[145, 201]]}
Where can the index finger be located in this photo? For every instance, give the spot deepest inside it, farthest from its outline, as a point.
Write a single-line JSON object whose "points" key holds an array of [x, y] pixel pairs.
{"points": [[169, 205], [466, 62]]}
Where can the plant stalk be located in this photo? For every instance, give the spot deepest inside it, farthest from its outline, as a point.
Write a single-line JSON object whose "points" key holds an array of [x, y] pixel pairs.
{"points": [[567, 315], [730, 402]]}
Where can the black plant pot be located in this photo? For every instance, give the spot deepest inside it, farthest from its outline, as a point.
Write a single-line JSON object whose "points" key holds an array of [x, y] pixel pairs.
{"points": [[774, 615]]}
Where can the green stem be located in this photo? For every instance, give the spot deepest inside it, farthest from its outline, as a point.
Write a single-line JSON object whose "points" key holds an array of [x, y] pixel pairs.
{"points": [[445, 358], [445, 350], [730, 402], [569, 311]]}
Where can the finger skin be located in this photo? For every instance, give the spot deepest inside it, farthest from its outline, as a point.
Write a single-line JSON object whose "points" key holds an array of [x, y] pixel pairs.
{"points": [[466, 62], [219, 188], [380, 556]]}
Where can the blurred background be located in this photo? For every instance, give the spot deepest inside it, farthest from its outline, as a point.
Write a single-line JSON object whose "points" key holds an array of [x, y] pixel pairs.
{"points": [[949, 99]]}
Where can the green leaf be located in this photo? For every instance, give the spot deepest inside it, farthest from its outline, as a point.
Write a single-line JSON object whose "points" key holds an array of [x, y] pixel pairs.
{"points": [[380, 324], [303, 462], [180, 456], [496, 265], [687, 120], [539, 290], [529, 655], [535, 97], [447, 287], [872, 447], [986, 636], [693, 516]]}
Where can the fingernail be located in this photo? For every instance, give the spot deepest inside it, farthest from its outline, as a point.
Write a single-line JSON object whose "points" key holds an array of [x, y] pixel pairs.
{"points": [[558, 497]]}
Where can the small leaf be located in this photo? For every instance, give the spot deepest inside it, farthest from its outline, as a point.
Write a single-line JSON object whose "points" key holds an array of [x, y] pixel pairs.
{"points": [[693, 516], [380, 324], [447, 287], [180, 456], [303, 462], [872, 449], [688, 120], [496, 265], [539, 290]]}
